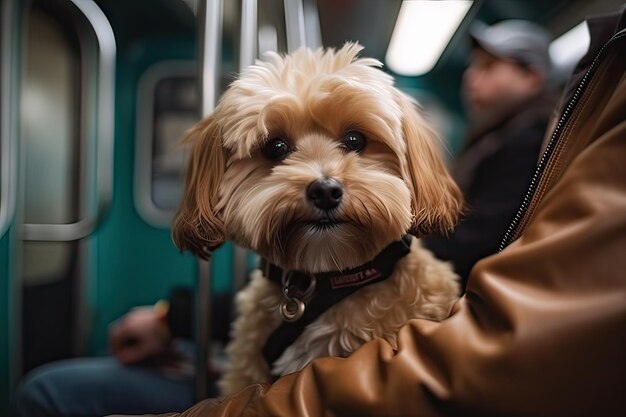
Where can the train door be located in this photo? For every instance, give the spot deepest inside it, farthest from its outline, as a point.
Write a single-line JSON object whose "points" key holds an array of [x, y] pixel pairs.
{"points": [[129, 258], [57, 124], [65, 171]]}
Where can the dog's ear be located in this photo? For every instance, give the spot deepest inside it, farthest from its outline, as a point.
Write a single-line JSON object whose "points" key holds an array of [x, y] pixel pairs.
{"points": [[197, 225], [437, 201]]}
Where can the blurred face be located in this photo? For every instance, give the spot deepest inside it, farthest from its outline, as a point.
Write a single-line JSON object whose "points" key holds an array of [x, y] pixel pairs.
{"points": [[492, 85]]}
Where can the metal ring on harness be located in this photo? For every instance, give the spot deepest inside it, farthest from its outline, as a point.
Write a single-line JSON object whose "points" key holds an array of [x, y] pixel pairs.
{"points": [[292, 310], [293, 306]]}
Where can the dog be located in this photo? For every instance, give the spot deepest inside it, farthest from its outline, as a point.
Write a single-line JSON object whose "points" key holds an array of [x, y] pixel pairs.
{"points": [[320, 165]]}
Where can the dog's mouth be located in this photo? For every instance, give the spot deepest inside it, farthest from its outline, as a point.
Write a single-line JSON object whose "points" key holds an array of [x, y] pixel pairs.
{"points": [[323, 224]]}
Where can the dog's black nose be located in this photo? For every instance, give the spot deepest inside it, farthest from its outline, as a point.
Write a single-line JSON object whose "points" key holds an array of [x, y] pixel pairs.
{"points": [[325, 194]]}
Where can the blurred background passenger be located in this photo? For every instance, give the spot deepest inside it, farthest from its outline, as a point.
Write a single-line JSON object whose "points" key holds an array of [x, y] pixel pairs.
{"points": [[508, 102], [148, 372], [151, 368]]}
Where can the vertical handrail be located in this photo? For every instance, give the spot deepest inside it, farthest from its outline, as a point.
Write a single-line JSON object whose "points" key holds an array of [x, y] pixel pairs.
{"points": [[8, 117], [209, 47], [247, 55], [247, 50], [203, 328], [312, 29], [294, 24]]}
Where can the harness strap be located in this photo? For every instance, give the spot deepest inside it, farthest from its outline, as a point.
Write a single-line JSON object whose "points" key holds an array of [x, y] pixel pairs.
{"points": [[330, 288]]}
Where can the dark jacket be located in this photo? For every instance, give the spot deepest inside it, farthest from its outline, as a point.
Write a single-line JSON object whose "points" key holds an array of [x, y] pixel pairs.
{"points": [[493, 171], [541, 330]]}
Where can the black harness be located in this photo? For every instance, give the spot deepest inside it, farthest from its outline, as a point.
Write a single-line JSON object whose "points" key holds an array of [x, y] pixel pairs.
{"points": [[307, 296]]}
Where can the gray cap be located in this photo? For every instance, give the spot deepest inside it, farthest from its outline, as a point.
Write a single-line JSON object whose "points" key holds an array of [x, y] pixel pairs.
{"points": [[519, 40]]}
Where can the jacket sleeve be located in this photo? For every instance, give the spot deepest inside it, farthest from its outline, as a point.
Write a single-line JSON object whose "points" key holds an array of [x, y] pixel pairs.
{"points": [[541, 330]]}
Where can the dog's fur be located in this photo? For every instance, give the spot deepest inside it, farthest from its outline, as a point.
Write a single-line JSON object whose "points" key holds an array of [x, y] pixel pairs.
{"points": [[396, 184]]}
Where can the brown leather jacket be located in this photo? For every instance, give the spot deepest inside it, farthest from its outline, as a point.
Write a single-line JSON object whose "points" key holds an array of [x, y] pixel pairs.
{"points": [[542, 328]]}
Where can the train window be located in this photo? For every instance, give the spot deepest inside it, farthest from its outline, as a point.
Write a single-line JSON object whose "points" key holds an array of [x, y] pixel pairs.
{"points": [[50, 140], [49, 123], [167, 106]]}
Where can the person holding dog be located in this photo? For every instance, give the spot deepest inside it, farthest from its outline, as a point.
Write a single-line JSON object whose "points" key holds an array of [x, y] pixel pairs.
{"points": [[506, 93], [541, 328]]}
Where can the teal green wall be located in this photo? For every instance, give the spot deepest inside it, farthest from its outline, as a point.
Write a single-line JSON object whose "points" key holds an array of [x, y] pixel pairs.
{"points": [[8, 320]]}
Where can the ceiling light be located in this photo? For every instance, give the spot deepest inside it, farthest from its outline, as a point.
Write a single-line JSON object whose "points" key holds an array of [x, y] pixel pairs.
{"points": [[422, 31]]}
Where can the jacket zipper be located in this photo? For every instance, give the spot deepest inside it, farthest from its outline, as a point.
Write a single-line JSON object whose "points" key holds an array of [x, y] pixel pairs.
{"points": [[532, 197]]}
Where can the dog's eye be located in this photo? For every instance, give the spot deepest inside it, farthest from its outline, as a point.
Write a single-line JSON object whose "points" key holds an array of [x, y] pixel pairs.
{"points": [[276, 149], [354, 141]]}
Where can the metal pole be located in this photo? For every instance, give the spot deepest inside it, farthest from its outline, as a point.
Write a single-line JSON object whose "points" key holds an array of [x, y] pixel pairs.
{"points": [[312, 29], [203, 330], [247, 51], [247, 55], [209, 55], [294, 23], [210, 48]]}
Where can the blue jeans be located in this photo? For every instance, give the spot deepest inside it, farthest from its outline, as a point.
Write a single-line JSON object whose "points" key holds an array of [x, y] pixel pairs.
{"points": [[91, 387]]}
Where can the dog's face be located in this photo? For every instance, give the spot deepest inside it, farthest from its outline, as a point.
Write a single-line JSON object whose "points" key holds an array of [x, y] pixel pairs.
{"points": [[316, 162]]}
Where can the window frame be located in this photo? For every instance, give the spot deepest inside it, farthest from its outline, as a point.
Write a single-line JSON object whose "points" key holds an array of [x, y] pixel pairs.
{"points": [[145, 137], [97, 126]]}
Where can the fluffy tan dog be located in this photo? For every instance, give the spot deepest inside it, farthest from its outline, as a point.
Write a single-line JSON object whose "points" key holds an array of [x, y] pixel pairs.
{"points": [[316, 162]]}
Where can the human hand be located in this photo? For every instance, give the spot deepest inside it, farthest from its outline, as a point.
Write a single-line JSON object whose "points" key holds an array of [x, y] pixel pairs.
{"points": [[139, 335]]}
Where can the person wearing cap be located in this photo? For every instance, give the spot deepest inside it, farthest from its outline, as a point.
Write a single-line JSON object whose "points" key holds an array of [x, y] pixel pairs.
{"points": [[509, 105]]}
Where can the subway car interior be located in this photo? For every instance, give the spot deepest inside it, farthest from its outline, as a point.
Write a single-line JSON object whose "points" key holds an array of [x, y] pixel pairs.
{"points": [[95, 96]]}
